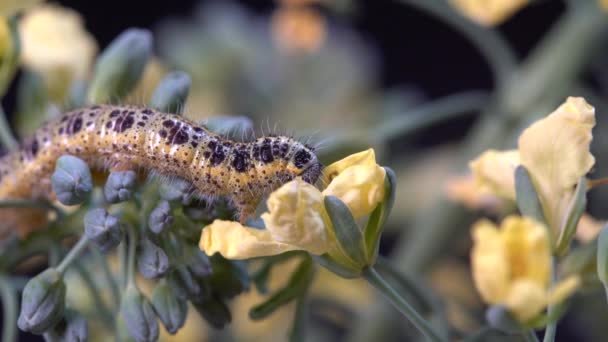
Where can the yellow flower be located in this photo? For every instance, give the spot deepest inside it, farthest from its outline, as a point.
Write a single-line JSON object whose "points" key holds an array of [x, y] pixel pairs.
{"points": [[12, 7], [296, 217], [56, 45], [464, 190], [511, 266], [488, 12], [554, 150]]}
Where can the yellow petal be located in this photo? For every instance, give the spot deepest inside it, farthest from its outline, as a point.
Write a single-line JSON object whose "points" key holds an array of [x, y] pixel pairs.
{"points": [[528, 249], [564, 289], [555, 150], [367, 157], [360, 186], [463, 190], [234, 241], [526, 299], [296, 216], [489, 263], [588, 228], [488, 12], [494, 172]]}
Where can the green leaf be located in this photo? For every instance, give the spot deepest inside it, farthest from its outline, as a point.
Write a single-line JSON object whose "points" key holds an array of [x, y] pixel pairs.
{"points": [[347, 232], [602, 256], [575, 211], [296, 286], [526, 195], [375, 224]]}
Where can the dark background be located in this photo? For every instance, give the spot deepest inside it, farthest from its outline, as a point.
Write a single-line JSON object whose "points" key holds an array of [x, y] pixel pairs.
{"points": [[413, 48]]}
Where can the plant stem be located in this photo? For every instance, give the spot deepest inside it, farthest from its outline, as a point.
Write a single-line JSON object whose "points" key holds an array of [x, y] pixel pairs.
{"points": [[131, 255], [298, 329], [552, 324], [376, 280], [100, 305], [73, 254], [101, 260], [530, 336], [9, 307]]}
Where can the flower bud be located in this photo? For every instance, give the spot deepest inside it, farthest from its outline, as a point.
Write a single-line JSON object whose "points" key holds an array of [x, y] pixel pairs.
{"points": [[214, 311], [152, 261], [120, 66], [119, 186], [184, 285], [176, 190], [198, 263], [160, 217], [139, 317], [171, 93], [43, 302], [71, 329], [171, 310], [230, 126], [71, 181], [103, 229]]}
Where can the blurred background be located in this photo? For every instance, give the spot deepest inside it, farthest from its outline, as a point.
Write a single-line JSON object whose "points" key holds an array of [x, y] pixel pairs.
{"points": [[426, 87]]}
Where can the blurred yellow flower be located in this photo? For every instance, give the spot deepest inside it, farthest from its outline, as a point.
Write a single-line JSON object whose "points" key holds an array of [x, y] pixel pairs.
{"points": [[56, 45], [554, 150], [464, 190], [488, 12], [588, 228], [296, 217], [511, 266], [493, 172], [298, 29], [12, 7]]}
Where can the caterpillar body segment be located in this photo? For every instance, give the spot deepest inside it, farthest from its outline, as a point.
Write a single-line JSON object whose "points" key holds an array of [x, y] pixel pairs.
{"points": [[127, 137]]}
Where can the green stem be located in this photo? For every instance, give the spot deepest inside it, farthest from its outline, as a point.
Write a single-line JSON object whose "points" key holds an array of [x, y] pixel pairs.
{"points": [[132, 233], [101, 260], [530, 336], [298, 329], [73, 254], [100, 305], [376, 280], [6, 135], [428, 114], [551, 328], [9, 307]]}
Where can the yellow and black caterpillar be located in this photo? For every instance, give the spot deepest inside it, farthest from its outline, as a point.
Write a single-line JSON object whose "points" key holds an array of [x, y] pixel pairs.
{"points": [[132, 138]]}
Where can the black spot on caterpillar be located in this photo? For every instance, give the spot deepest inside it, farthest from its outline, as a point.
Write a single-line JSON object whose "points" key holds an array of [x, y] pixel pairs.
{"points": [[126, 137]]}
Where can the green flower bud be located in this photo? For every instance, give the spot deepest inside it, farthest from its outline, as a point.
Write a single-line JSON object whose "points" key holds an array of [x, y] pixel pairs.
{"points": [[160, 217], [184, 285], [229, 278], [176, 190], [120, 66], [103, 229], [152, 261], [71, 181], [43, 302], [171, 310], [71, 329], [233, 127], [171, 93], [140, 319], [214, 310], [198, 263], [119, 186]]}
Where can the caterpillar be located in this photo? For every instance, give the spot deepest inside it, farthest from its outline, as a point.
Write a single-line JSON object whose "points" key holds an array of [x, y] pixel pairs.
{"points": [[130, 138]]}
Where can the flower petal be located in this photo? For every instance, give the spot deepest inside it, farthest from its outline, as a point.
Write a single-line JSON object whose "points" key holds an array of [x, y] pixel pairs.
{"points": [[235, 241], [488, 12], [526, 299], [359, 186], [489, 263], [564, 289], [367, 157], [555, 150], [296, 216], [493, 172]]}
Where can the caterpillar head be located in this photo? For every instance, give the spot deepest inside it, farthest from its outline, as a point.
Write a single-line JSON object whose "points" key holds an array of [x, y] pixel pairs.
{"points": [[306, 163]]}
